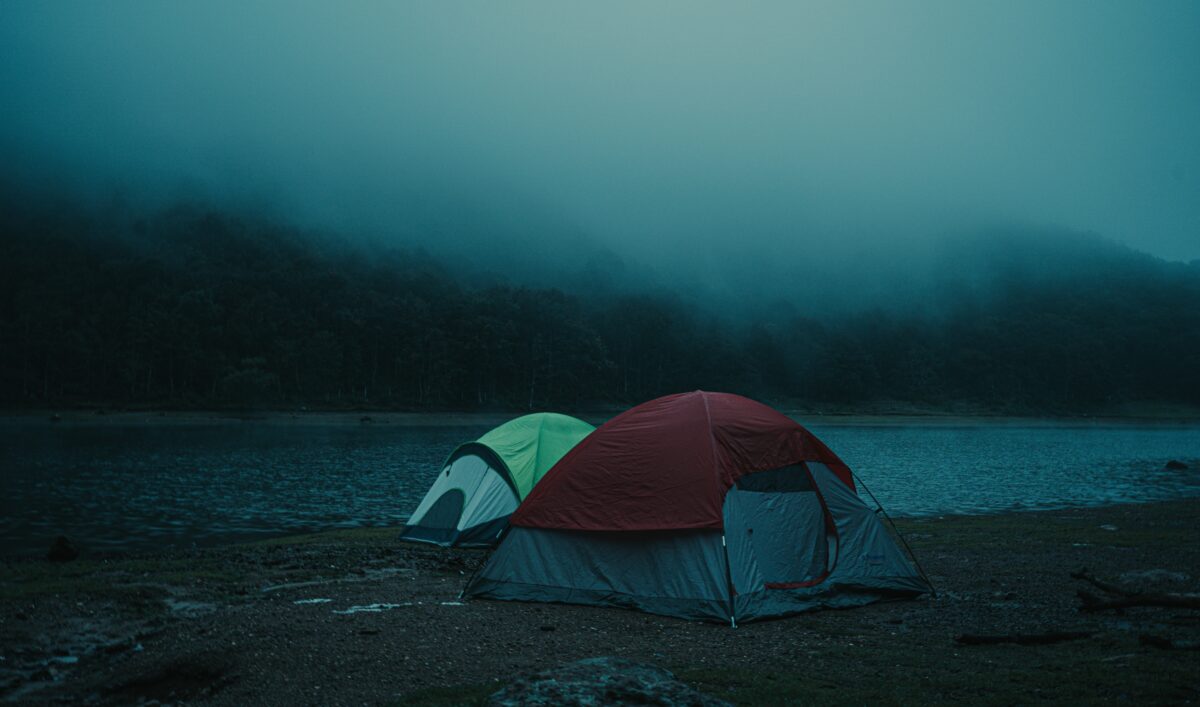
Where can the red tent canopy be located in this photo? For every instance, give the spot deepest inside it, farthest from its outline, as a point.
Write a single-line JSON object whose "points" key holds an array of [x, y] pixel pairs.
{"points": [[666, 465]]}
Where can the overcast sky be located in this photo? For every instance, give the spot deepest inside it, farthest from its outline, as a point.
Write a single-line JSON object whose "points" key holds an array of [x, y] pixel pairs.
{"points": [[716, 135]]}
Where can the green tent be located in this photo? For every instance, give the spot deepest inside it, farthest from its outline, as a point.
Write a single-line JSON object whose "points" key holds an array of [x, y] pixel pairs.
{"points": [[483, 482]]}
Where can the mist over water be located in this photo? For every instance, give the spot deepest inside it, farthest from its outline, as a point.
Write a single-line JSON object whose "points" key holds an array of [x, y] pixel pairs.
{"points": [[756, 151]]}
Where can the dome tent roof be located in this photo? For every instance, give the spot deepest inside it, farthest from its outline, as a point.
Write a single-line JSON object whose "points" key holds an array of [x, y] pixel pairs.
{"points": [[531, 444], [667, 465]]}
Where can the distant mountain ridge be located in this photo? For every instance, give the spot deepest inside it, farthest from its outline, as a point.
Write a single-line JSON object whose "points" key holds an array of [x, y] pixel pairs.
{"points": [[192, 307]]}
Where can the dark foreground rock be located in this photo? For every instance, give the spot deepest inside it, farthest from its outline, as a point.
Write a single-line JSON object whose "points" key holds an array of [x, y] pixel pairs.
{"points": [[1176, 465], [602, 681]]}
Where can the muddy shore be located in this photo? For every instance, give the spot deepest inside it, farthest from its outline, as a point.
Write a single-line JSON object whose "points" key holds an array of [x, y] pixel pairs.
{"points": [[353, 617]]}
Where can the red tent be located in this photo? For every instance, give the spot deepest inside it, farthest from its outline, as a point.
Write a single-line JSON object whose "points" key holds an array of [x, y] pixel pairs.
{"points": [[703, 506]]}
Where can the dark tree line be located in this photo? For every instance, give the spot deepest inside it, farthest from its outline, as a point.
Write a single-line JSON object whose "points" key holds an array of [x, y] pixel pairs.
{"points": [[193, 307]]}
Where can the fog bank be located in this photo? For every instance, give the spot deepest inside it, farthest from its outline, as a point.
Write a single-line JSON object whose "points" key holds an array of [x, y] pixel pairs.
{"points": [[740, 150]]}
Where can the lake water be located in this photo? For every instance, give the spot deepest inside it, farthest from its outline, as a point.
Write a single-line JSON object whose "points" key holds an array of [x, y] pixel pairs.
{"points": [[113, 486]]}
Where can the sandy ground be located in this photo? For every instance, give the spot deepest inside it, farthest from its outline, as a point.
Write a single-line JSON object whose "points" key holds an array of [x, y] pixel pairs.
{"points": [[353, 617]]}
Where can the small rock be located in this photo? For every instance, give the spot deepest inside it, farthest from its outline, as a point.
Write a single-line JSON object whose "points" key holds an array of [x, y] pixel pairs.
{"points": [[546, 627], [1176, 465], [62, 550]]}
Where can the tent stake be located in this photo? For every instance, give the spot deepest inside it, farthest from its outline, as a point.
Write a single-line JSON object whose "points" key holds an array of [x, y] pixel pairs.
{"points": [[913, 555]]}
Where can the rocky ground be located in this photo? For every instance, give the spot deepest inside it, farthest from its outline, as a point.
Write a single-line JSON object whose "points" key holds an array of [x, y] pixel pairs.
{"points": [[353, 617]]}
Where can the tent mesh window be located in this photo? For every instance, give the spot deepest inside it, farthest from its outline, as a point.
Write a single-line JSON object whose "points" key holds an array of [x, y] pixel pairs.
{"points": [[789, 479], [445, 512]]}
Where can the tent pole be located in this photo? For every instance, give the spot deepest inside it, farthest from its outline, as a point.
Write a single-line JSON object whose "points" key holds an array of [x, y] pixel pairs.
{"points": [[463, 592], [913, 555], [728, 581]]}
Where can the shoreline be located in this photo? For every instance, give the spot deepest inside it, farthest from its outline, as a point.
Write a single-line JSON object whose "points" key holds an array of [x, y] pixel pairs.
{"points": [[118, 554], [290, 620]]}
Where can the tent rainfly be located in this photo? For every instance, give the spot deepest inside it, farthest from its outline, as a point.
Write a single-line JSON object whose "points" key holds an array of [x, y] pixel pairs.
{"points": [[483, 482], [703, 506]]}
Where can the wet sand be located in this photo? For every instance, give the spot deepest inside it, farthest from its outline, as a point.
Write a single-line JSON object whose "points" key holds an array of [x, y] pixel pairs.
{"points": [[353, 617]]}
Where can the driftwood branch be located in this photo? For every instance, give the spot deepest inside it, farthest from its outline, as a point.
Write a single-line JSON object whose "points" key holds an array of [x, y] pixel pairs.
{"points": [[1121, 598], [1021, 639], [1163, 600], [1168, 644], [1088, 577]]}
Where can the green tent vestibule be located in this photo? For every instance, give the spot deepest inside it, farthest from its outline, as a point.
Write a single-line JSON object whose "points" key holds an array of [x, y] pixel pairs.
{"points": [[483, 482]]}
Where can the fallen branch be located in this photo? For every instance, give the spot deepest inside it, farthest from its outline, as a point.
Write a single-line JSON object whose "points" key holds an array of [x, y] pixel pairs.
{"points": [[1168, 644], [1125, 598], [1162, 600], [1086, 576], [1021, 639]]}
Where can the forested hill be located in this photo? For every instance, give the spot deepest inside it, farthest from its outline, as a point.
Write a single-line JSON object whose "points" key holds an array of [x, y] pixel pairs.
{"points": [[193, 308]]}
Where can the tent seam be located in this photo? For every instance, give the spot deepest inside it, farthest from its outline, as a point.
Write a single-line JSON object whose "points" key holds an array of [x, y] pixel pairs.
{"points": [[712, 447], [537, 450], [712, 439]]}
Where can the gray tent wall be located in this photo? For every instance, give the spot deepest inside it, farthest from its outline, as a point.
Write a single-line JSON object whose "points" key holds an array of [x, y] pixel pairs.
{"points": [[704, 574], [676, 573]]}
